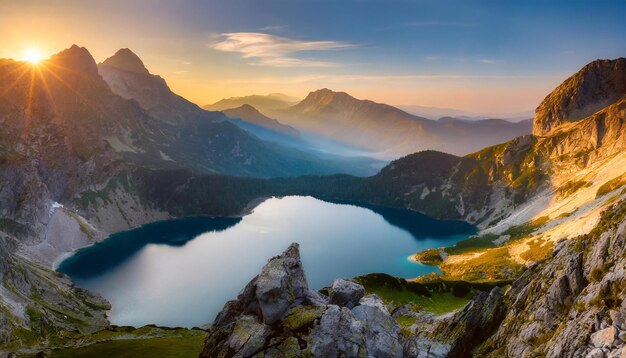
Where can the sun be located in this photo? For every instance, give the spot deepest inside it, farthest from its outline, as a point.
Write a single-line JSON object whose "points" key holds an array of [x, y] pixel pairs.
{"points": [[33, 56]]}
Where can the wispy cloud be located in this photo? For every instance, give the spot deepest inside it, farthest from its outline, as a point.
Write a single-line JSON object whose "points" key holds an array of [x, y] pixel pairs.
{"points": [[276, 51], [181, 72], [273, 28], [186, 63], [488, 61]]}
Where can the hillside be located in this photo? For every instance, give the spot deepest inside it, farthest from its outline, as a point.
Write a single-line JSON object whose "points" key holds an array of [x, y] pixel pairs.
{"points": [[251, 115]]}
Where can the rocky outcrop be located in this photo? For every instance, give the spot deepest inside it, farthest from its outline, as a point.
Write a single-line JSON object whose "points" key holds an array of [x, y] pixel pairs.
{"points": [[572, 304], [595, 86], [277, 315]]}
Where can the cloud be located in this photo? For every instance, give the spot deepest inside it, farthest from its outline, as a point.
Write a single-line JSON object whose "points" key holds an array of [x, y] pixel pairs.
{"points": [[276, 51], [488, 62], [272, 28], [180, 72], [186, 63]]}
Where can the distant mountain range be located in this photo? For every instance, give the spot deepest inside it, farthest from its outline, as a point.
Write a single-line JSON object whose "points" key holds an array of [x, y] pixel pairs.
{"points": [[265, 104], [437, 112], [389, 132]]}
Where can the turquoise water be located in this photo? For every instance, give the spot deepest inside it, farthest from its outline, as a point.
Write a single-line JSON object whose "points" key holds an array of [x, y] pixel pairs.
{"points": [[181, 272]]}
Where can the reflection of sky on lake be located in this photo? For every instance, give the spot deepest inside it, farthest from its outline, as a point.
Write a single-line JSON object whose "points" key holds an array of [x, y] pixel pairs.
{"points": [[187, 285]]}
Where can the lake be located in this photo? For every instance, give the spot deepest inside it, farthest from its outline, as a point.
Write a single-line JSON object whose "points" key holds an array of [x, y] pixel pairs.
{"points": [[181, 272]]}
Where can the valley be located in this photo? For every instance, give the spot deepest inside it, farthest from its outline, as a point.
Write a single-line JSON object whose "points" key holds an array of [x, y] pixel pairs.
{"points": [[131, 217]]}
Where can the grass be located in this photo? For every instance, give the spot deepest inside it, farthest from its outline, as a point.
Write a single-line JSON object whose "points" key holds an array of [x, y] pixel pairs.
{"points": [[429, 257], [611, 185], [437, 297], [538, 250], [174, 347], [571, 187], [492, 264], [472, 244]]}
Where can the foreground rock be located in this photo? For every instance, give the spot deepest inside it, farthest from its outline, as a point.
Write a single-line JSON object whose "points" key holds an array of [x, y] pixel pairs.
{"points": [[277, 315]]}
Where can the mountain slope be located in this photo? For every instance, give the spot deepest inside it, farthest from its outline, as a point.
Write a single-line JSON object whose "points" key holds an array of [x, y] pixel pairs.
{"points": [[188, 136], [387, 130], [593, 88], [251, 115], [265, 104]]}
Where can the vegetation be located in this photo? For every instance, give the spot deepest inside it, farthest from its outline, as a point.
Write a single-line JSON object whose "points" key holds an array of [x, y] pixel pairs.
{"points": [[429, 257], [472, 243], [571, 187], [538, 250], [147, 341], [490, 264], [437, 296], [611, 185]]}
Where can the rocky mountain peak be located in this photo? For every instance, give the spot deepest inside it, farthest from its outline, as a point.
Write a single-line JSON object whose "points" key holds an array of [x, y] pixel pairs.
{"points": [[597, 85], [77, 59], [326, 97], [127, 60]]}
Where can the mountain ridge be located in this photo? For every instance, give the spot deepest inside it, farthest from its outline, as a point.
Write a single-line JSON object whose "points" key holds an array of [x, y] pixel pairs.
{"points": [[387, 130]]}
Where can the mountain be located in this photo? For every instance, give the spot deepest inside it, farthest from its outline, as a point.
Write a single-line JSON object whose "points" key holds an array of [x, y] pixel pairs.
{"points": [[128, 77], [79, 162], [435, 113], [265, 104], [552, 213], [251, 115], [389, 131], [186, 135], [591, 89]]}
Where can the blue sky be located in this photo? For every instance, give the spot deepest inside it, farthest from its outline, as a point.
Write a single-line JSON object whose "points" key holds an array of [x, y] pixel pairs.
{"points": [[478, 55]]}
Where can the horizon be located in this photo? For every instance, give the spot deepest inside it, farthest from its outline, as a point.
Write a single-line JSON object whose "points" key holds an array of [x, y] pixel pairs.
{"points": [[403, 54]]}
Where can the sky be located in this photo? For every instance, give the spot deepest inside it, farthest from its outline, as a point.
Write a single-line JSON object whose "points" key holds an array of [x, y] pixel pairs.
{"points": [[478, 56]]}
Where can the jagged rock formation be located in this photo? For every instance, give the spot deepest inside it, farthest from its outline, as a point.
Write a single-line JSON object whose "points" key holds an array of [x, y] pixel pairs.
{"points": [[277, 315], [594, 87], [571, 305]]}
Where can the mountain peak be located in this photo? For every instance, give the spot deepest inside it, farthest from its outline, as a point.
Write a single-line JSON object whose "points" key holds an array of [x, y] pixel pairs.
{"points": [[78, 59], [127, 60], [597, 85], [327, 96]]}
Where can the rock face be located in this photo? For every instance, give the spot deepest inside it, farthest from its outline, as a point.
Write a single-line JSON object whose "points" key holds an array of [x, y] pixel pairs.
{"points": [[571, 305], [277, 315], [594, 87]]}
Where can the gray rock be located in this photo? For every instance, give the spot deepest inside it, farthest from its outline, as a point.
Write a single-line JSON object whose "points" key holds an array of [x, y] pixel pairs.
{"points": [[374, 300], [281, 283], [248, 336], [382, 333], [595, 353], [338, 334], [346, 293]]}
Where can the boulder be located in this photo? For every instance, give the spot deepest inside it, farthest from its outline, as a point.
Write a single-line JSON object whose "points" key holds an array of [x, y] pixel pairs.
{"points": [[603, 337], [382, 332], [346, 293], [339, 333]]}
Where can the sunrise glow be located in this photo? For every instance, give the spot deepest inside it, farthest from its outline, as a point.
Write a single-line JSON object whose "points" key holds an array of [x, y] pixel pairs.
{"points": [[33, 56]]}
